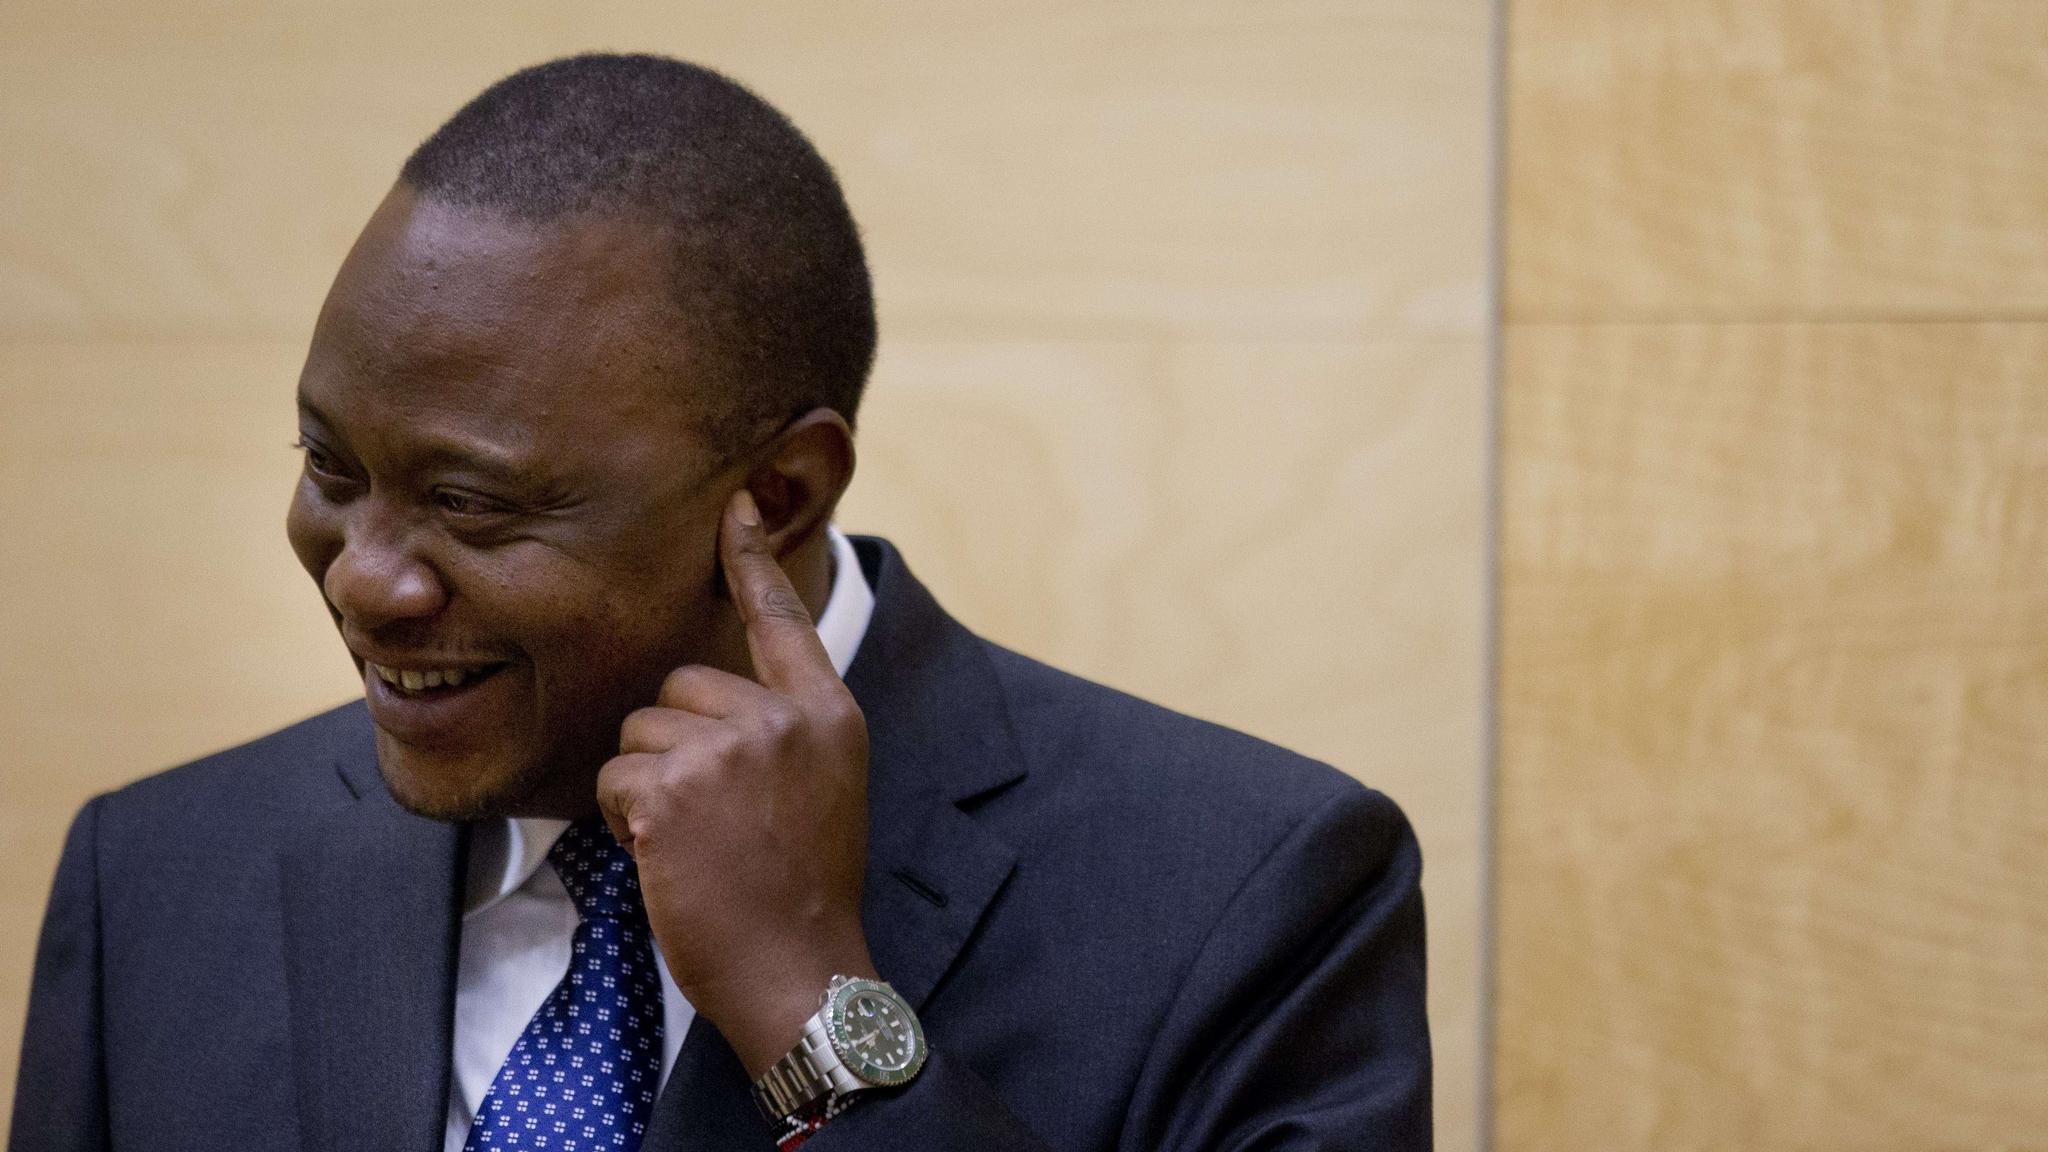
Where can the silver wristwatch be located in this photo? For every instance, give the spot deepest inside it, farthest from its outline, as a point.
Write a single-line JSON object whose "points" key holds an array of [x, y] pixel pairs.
{"points": [[863, 1036]]}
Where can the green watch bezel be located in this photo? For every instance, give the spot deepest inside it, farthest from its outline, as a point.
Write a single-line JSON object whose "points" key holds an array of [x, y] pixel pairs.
{"points": [[842, 1040]]}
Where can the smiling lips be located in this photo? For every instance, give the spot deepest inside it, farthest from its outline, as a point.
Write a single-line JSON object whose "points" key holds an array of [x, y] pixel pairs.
{"points": [[448, 709], [420, 680]]}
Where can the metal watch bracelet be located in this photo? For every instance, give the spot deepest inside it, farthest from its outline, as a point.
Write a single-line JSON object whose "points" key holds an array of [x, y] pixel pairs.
{"points": [[809, 1072]]}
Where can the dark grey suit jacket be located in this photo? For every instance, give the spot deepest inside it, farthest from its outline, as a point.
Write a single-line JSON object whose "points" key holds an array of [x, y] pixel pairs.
{"points": [[1123, 928]]}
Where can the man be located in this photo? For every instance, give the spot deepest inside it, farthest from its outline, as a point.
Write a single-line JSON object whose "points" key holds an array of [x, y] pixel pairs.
{"points": [[672, 818]]}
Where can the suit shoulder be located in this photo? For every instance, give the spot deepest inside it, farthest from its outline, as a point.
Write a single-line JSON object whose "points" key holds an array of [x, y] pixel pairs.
{"points": [[281, 770], [1126, 755]]}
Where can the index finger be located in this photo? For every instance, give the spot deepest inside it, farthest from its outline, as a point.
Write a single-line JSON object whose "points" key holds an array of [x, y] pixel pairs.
{"points": [[781, 636]]}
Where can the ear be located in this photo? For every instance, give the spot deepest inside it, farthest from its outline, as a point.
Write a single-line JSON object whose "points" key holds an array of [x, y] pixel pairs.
{"points": [[798, 483]]}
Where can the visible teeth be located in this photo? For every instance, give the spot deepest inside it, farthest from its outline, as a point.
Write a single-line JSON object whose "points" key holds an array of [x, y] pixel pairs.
{"points": [[417, 681]]}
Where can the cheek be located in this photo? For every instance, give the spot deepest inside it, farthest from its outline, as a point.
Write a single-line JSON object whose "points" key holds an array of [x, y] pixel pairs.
{"points": [[585, 683], [314, 538], [602, 629], [614, 658], [588, 645]]}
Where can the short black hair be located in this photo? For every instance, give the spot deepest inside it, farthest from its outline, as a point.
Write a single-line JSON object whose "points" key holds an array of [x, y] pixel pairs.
{"points": [[770, 276]]}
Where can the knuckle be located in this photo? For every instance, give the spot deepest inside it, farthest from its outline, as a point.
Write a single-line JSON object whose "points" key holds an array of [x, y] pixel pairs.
{"points": [[631, 732], [616, 783], [842, 719], [779, 719], [725, 745], [643, 830], [682, 684], [667, 790], [773, 732], [643, 729]]}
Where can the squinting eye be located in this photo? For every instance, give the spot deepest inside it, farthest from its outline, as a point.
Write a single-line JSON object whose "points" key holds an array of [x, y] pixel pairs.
{"points": [[316, 459], [464, 503]]}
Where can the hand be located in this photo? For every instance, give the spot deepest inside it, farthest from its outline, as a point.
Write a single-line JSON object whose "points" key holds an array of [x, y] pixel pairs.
{"points": [[745, 806]]}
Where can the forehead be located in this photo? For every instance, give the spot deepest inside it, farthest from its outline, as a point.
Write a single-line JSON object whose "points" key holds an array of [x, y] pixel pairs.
{"points": [[445, 309]]}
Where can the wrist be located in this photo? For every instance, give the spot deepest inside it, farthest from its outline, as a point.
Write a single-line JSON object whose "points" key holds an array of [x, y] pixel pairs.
{"points": [[762, 1013]]}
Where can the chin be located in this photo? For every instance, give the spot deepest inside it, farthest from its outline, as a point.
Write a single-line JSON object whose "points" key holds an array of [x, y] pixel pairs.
{"points": [[450, 788]]}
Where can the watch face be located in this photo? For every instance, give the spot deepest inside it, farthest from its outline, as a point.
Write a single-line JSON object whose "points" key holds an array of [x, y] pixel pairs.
{"points": [[875, 1034]]}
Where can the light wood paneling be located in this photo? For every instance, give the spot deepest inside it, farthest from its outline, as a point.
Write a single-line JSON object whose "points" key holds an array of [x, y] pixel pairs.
{"points": [[143, 488], [1735, 158], [1774, 724], [1773, 691], [1194, 293], [1301, 169]]}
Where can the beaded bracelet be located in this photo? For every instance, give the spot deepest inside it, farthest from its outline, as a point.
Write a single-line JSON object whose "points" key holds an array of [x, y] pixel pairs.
{"points": [[799, 1127]]}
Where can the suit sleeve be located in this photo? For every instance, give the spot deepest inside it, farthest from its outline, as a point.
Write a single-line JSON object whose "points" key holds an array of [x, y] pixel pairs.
{"points": [[1300, 1025], [60, 1102]]}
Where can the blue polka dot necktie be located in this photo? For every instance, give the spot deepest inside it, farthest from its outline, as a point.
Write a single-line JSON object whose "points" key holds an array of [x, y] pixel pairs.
{"points": [[582, 1077]]}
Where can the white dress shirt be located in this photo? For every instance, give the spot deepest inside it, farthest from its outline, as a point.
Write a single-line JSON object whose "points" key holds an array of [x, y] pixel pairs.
{"points": [[518, 921]]}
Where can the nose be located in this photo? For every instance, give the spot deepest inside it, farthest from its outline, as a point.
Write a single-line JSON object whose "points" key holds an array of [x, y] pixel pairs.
{"points": [[377, 580]]}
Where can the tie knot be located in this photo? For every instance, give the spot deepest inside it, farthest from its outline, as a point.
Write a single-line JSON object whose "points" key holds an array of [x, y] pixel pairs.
{"points": [[598, 873]]}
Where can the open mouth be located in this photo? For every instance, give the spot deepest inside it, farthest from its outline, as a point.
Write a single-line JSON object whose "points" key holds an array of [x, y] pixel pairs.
{"points": [[435, 681]]}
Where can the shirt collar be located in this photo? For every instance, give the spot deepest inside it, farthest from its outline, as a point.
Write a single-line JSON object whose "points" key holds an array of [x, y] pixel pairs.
{"points": [[504, 854]]}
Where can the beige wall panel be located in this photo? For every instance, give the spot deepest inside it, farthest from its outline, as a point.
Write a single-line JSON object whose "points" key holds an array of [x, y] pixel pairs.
{"points": [[1181, 381], [1302, 169], [1774, 737], [1736, 158]]}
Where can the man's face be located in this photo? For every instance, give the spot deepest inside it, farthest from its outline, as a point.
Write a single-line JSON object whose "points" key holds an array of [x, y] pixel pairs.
{"points": [[504, 481]]}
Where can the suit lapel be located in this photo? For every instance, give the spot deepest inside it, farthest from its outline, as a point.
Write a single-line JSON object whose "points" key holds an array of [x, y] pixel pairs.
{"points": [[932, 872], [371, 914], [939, 737]]}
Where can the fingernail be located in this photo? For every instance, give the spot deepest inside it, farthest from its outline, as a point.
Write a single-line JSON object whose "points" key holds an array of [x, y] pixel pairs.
{"points": [[746, 511]]}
